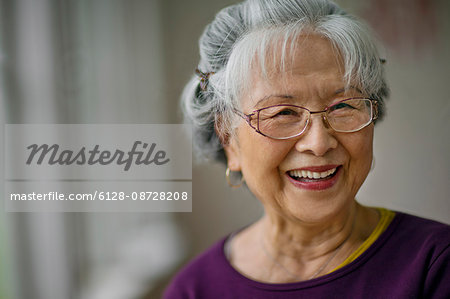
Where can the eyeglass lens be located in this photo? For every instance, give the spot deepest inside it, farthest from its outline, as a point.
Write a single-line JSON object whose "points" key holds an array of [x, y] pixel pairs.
{"points": [[284, 121]]}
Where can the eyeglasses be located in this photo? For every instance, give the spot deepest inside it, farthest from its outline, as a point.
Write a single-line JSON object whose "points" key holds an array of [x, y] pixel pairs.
{"points": [[287, 121]]}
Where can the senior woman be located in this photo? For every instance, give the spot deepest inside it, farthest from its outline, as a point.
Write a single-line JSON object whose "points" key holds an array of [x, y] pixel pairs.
{"points": [[287, 93]]}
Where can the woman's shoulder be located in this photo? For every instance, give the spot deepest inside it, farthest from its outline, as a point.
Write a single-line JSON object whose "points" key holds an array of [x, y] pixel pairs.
{"points": [[199, 273], [423, 236], [427, 243], [418, 227], [210, 258]]}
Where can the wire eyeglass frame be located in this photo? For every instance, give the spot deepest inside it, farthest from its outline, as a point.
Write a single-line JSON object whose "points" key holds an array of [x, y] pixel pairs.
{"points": [[256, 113]]}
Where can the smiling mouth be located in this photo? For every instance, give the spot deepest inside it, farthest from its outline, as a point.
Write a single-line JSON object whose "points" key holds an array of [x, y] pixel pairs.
{"points": [[312, 176]]}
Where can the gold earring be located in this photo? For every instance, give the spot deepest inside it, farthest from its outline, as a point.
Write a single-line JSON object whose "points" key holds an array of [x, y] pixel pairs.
{"points": [[227, 175]]}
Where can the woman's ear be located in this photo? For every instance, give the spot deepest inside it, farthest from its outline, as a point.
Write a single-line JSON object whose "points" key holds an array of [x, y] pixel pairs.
{"points": [[233, 154], [230, 145]]}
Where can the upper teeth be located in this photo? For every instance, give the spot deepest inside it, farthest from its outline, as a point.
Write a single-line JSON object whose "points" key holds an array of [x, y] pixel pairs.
{"points": [[311, 174]]}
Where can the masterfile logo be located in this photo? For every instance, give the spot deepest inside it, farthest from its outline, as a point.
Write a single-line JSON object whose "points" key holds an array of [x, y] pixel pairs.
{"points": [[98, 152], [52, 155]]}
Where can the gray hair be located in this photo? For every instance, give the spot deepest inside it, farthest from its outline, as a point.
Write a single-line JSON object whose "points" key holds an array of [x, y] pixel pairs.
{"points": [[229, 44]]}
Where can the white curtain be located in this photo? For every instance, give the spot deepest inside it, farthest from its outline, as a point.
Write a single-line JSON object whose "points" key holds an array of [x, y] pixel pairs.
{"points": [[83, 62]]}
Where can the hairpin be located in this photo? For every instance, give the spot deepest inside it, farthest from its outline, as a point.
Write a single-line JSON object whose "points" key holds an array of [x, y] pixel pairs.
{"points": [[204, 78]]}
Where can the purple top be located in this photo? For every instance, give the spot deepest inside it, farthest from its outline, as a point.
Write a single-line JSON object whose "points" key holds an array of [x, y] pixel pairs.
{"points": [[411, 259]]}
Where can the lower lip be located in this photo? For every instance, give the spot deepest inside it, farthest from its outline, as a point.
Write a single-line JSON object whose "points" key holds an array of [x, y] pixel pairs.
{"points": [[317, 185]]}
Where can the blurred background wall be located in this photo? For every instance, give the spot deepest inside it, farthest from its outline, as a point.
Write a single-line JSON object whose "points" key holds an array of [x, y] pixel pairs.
{"points": [[126, 61]]}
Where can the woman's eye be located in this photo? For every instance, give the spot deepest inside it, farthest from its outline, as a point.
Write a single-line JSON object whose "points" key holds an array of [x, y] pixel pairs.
{"points": [[341, 106], [285, 112]]}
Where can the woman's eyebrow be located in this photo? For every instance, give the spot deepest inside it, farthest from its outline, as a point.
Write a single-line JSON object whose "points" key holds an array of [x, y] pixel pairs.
{"points": [[265, 99], [269, 97], [341, 90]]}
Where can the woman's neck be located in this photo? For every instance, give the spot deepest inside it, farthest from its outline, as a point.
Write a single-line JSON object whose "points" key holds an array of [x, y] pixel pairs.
{"points": [[289, 253], [307, 240]]}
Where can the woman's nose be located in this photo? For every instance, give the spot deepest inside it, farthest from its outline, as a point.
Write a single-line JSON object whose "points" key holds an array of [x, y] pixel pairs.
{"points": [[318, 138]]}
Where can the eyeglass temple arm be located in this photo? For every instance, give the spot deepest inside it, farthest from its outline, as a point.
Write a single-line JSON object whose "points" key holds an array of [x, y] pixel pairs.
{"points": [[246, 117]]}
